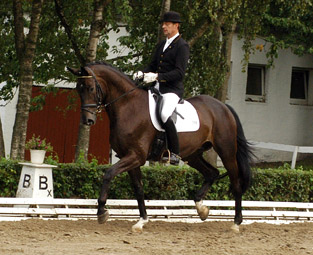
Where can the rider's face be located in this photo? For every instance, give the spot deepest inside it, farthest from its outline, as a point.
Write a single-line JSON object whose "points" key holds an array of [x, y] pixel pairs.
{"points": [[170, 29]]}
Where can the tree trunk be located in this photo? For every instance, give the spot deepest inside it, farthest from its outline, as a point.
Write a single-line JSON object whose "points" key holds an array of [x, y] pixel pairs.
{"points": [[82, 145], [26, 52], [201, 30], [96, 27], [227, 37], [166, 6], [226, 51], [2, 149]]}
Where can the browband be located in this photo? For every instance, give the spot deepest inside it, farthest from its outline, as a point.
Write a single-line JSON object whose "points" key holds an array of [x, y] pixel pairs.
{"points": [[82, 77]]}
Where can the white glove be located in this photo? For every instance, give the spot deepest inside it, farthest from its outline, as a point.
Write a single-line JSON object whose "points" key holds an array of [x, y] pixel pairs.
{"points": [[138, 75], [150, 77]]}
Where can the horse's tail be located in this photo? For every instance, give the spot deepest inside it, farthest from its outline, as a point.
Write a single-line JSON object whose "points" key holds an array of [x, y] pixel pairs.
{"points": [[244, 154]]}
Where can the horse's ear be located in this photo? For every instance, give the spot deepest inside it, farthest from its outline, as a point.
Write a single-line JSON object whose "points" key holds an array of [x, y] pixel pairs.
{"points": [[83, 71], [75, 71]]}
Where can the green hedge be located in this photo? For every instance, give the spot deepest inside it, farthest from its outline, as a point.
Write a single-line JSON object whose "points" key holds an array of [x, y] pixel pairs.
{"points": [[160, 182], [9, 177]]}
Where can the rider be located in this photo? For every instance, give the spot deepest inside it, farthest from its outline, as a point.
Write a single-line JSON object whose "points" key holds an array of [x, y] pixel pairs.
{"points": [[167, 70]]}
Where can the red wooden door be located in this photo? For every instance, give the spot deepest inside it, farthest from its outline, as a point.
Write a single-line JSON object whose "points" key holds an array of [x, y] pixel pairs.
{"points": [[60, 127]]}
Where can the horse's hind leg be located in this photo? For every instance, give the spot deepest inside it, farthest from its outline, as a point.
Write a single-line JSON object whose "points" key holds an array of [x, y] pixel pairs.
{"points": [[135, 176], [210, 174], [235, 180]]}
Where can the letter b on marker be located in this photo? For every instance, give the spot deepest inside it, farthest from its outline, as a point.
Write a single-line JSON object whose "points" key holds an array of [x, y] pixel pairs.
{"points": [[43, 182], [26, 181]]}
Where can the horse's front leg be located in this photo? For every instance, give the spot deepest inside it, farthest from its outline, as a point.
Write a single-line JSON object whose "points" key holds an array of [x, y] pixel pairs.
{"points": [[135, 176], [103, 214], [125, 164]]}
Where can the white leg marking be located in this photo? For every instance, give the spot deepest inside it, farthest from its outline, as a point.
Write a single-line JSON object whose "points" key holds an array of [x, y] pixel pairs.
{"points": [[199, 204], [203, 211], [235, 228], [137, 228]]}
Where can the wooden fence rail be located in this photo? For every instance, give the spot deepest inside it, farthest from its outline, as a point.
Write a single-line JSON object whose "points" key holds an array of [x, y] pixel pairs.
{"points": [[283, 147], [24, 208]]}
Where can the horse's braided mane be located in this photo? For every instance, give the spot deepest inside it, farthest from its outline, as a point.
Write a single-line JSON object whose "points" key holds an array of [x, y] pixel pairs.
{"points": [[111, 67]]}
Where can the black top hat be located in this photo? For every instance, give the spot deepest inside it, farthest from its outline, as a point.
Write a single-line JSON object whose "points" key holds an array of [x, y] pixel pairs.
{"points": [[171, 17]]}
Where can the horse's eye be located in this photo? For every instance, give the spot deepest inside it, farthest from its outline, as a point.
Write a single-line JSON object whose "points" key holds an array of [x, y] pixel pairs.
{"points": [[91, 89]]}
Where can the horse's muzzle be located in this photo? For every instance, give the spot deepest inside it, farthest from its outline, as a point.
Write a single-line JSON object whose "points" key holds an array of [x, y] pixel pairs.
{"points": [[88, 119], [88, 116], [89, 122]]}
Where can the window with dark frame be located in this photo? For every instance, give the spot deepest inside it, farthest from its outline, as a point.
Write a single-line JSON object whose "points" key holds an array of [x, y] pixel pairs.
{"points": [[255, 83], [299, 83]]}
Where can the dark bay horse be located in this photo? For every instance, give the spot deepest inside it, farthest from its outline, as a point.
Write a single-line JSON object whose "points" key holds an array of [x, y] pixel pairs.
{"points": [[132, 134]]}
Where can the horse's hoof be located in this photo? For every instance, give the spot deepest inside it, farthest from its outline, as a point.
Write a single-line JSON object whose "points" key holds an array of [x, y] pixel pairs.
{"points": [[103, 217], [203, 212], [235, 228], [138, 227]]}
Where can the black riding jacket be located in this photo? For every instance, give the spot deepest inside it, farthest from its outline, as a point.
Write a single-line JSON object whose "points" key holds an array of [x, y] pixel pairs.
{"points": [[170, 65]]}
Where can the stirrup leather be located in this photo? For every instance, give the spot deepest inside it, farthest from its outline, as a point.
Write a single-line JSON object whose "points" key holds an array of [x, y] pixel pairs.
{"points": [[165, 159]]}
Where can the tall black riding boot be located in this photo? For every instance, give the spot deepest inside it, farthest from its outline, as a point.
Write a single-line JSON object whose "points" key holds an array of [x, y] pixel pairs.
{"points": [[172, 139]]}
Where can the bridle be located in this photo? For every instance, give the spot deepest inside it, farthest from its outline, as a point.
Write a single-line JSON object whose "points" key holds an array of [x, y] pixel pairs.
{"points": [[100, 95]]}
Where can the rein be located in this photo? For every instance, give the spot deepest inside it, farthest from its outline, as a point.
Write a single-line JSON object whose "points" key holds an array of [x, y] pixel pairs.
{"points": [[100, 95], [116, 99]]}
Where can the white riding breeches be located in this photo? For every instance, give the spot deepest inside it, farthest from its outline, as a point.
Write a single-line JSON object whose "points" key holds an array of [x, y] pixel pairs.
{"points": [[170, 101]]}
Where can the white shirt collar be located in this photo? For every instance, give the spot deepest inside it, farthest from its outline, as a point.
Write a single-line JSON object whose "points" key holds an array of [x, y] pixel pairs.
{"points": [[169, 41]]}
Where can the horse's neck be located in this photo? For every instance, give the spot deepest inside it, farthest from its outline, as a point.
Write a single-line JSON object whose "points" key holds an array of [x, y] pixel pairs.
{"points": [[121, 87], [118, 88], [121, 94]]}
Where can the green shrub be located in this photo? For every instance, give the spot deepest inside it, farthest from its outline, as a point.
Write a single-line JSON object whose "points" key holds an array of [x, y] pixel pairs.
{"points": [[281, 185], [83, 180], [10, 172], [77, 180]]}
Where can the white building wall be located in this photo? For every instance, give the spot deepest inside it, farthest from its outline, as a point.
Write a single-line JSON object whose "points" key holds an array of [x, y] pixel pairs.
{"points": [[275, 120]]}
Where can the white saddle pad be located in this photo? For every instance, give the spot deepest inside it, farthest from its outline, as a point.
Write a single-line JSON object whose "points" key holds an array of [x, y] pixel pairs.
{"points": [[187, 122]]}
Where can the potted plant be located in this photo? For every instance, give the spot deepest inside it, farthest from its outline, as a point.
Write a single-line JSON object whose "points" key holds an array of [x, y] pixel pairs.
{"points": [[38, 148]]}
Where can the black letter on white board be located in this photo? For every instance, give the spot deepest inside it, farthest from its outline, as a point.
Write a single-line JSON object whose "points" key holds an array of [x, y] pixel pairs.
{"points": [[26, 182], [43, 182]]}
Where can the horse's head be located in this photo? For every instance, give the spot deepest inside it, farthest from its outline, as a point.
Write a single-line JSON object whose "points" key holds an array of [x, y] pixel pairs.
{"points": [[90, 93]]}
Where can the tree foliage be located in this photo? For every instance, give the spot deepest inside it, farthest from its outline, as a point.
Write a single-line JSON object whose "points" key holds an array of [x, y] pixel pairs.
{"points": [[8, 58], [208, 26], [54, 51], [283, 23], [288, 24]]}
